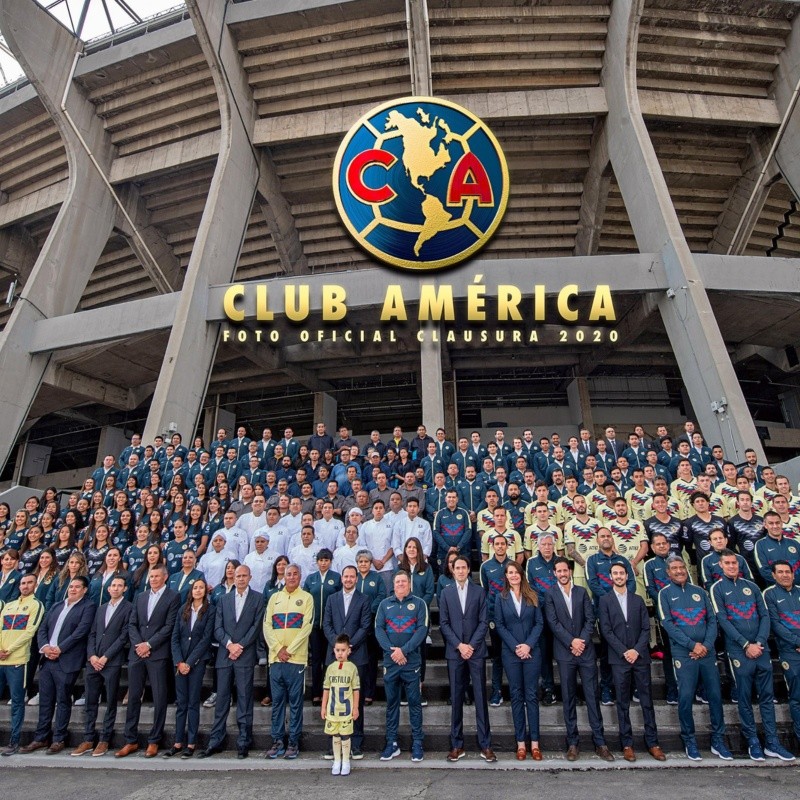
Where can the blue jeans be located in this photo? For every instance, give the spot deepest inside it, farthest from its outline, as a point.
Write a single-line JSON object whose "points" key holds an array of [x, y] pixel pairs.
{"points": [[523, 683], [395, 678], [688, 672], [14, 678], [756, 671], [288, 683]]}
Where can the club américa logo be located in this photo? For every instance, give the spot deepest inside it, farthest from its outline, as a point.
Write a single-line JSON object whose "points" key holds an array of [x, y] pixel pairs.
{"points": [[420, 183]]}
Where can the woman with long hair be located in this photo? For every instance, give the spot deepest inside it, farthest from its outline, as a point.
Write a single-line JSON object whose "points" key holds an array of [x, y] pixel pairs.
{"points": [[97, 500], [31, 549], [64, 545], [46, 572], [141, 578], [18, 530], [49, 495], [98, 547], [86, 535], [111, 568], [134, 556], [191, 650], [109, 490], [32, 507], [194, 529], [124, 531], [119, 505], [47, 522], [519, 622], [75, 566], [87, 490], [5, 517]]}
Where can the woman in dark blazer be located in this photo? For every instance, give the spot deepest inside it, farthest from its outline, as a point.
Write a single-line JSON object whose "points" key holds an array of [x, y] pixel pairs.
{"points": [[191, 649], [519, 622]]}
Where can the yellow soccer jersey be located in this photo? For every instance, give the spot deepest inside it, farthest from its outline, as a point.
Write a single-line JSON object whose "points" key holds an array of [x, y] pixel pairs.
{"points": [[512, 537], [640, 504], [584, 537], [341, 680]]}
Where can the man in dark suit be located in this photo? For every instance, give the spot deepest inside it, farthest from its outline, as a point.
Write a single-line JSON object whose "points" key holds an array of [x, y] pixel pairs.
{"points": [[150, 660], [348, 611], [463, 619], [237, 624], [106, 651], [625, 626], [614, 446], [568, 611], [62, 643]]}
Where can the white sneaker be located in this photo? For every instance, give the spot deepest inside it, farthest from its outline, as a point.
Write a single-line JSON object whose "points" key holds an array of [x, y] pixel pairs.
{"points": [[211, 701], [81, 701], [336, 769], [345, 768], [34, 701], [262, 662], [428, 639]]}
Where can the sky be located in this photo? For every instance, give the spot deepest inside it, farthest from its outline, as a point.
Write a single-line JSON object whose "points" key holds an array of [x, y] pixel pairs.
{"points": [[69, 11]]}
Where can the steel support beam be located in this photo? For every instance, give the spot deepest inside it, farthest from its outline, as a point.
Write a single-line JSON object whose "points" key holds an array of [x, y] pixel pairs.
{"points": [[686, 311], [186, 367], [46, 52]]}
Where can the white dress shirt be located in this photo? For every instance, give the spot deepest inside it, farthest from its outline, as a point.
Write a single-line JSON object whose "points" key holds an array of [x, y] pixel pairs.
{"points": [[152, 601], [111, 607], [462, 595], [60, 623], [239, 601], [622, 597], [567, 597]]}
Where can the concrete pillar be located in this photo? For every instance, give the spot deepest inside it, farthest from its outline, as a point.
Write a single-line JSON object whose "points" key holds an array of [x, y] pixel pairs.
{"points": [[46, 50], [450, 409], [787, 74], [192, 345], [325, 408], [580, 408], [112, 442], [693, 332], [430, 353]]}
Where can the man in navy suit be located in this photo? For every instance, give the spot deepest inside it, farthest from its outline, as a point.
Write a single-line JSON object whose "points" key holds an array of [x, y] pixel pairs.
{"points": [[464, 620], [626, 628], [568, 611], [348, 611], [106, 651], [150, 659], [237, 624], [62, 644]]}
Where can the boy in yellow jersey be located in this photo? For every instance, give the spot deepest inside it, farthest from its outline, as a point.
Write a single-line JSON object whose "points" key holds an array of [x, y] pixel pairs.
{"points": [[340, 692]]}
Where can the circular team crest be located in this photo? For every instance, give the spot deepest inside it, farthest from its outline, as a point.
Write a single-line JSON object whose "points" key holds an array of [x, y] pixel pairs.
{"points": [[747, 591], [696, 598], [421, 183]]}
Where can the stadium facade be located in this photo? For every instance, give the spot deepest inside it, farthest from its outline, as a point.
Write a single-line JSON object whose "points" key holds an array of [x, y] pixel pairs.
{"points": [[171, 246]]}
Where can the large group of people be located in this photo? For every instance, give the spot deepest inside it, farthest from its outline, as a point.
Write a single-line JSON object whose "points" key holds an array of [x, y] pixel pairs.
{"points": [[597, 555]]}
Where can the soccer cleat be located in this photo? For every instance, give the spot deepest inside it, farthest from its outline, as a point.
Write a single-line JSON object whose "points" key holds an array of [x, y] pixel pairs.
{"points": [[390, 751], [754, 750], [775, 749], [720, 750], [692, 753], [416, 753]]}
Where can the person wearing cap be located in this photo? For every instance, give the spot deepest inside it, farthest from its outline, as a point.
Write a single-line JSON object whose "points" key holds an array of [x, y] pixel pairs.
{"points": [[260, 561], [61, 640], [320, 585]]}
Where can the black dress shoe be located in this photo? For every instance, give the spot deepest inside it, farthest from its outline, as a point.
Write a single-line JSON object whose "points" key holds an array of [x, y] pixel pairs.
{"points": [[243, 754], [208, 752]]}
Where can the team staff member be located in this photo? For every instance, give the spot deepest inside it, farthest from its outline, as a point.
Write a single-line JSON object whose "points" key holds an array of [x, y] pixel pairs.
{"points": [[655, 579], [688, 617], [150, 632], [191, 650], [463, 621], [492, 577], [106, 650], [18, 625], [626, 628], [401, 626], [287, 627], [776, 547], [62, 641], [743, 617], [542, 579], [320, 585], [519, 622], [236, 625], [783, 603], [568, 611]]}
